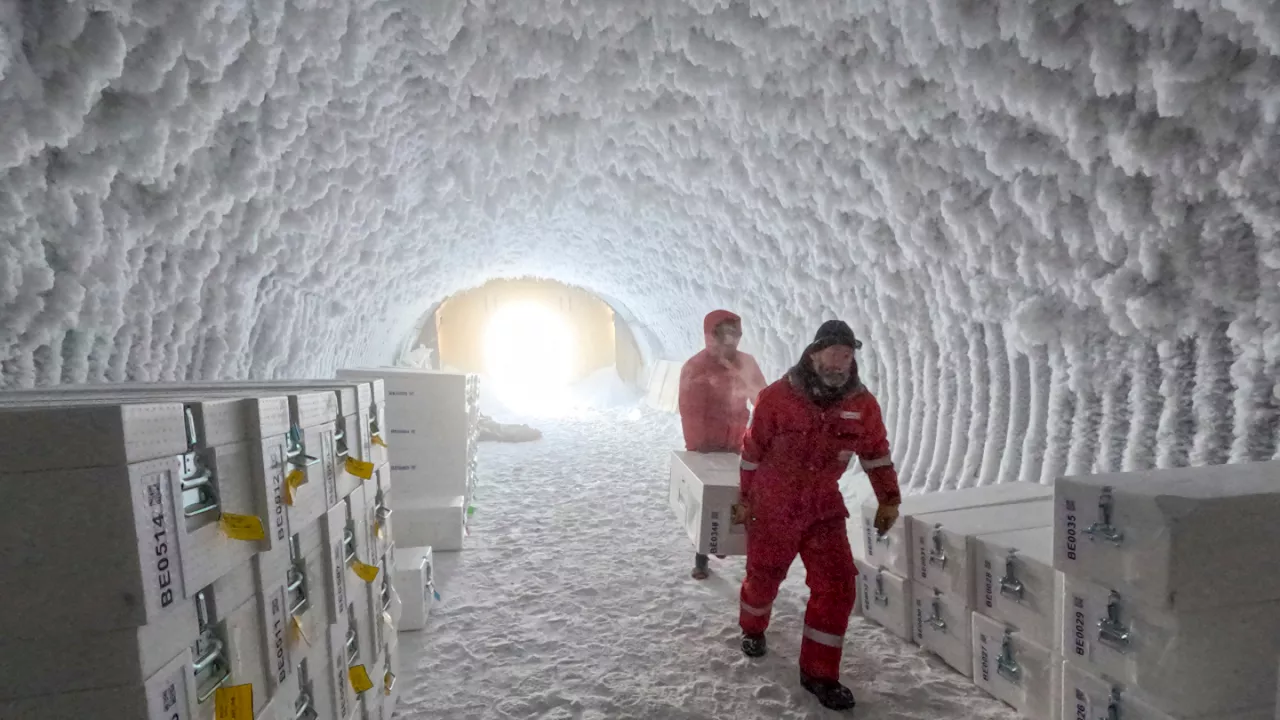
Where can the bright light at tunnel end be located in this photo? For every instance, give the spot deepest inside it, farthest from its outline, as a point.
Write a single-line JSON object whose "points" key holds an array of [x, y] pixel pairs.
{"points": [[530, 356]]}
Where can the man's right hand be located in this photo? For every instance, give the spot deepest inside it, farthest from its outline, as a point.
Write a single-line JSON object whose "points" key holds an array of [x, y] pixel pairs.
{"points": [[741, 514]]}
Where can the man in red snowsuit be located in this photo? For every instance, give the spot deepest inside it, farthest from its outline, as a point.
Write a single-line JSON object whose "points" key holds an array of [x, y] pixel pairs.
{"points": [[715, 386], [806, 428]]}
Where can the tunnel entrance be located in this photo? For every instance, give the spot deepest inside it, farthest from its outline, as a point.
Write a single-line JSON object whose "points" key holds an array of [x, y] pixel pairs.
{"points": [[533, 340]]}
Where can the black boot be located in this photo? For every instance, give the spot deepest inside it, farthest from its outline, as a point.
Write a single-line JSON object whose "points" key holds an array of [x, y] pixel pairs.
{"points": [[700, 571], [753, 646], [830, 693]]}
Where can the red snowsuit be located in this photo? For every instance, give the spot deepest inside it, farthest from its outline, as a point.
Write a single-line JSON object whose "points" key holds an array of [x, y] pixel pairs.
{"points": [[714, 393], [793, 457]]}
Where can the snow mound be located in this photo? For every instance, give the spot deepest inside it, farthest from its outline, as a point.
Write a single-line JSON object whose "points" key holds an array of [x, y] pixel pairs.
{"points": [[573, 599], [604, 389], [1054, 222]]}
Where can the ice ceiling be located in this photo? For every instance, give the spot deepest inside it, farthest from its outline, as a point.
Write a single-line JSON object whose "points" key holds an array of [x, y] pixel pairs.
{"points": [[1054, 222]]}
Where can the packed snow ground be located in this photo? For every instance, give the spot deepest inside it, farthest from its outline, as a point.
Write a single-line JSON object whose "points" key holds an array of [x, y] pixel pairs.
{"points": [[573, 599]]}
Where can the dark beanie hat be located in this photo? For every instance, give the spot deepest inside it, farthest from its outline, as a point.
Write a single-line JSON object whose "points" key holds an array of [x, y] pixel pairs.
{"points": [[832, 333]]}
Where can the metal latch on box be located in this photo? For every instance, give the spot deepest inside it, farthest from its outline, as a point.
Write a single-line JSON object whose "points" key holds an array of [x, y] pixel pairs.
{"points": [[1006, 665], [297, 452], [1103, 528], [349, 542], [208, 651], [1111, 630], [880, 598], [199, 489], [297, 577], [938, 555], [1010, 586], [1113, 705], [353, 645], [302, 709], [936, 618], [386, 593], [340, 438]]}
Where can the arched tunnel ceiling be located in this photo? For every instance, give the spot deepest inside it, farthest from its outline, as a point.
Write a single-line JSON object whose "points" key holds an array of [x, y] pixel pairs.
{"points": [[1054, 222]]}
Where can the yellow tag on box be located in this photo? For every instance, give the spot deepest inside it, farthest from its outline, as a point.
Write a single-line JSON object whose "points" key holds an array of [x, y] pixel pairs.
{"points": [[297, 628], [242, 527], [367, 573], [233, 703], [359, 678], [377, 440], [359, 468], [294, 480]]}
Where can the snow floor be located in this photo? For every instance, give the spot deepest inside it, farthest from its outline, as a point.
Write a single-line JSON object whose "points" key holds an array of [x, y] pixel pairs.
{"points": [[573, 599]]}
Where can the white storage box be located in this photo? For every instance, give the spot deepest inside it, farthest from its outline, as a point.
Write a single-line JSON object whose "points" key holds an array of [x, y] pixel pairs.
{"points": [[92, 548], [1021, 673], [87, 436], [1089, 695], [56, 660], [438, 524], [885, 599], [946, 552], [1187, 538], [359, 616], [166, 695], [319, 492], [891, 550], [702, 493], [1188, 663], [1016, 584], [943, 626], [378, 510], [207, 552], [415, 584], [856, 489]]}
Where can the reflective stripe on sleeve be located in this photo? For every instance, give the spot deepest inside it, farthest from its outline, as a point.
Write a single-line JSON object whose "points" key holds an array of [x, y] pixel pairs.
{"points": [[823, 638], [885, 461]]}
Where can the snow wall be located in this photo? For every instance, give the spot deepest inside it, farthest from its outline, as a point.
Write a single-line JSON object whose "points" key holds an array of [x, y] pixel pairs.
{"points": [[1054, 223]]}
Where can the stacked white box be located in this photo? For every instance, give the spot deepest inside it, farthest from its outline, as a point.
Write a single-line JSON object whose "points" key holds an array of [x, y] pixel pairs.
{"points": [[893, 549], [943, 561], [1087, 695], [1024, 674], [885, 598], [702, 492], [432, 425], [890, 552], [1171, 598], [415, 583], [440, 524], [150, 475]]}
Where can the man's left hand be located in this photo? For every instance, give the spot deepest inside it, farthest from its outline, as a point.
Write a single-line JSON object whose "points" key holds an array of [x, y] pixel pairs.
{"points": [[886, 516], [741, 514]]}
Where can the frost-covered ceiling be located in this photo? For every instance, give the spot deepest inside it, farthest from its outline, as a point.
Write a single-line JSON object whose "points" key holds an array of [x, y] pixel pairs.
{"points": [[1055, 222]]}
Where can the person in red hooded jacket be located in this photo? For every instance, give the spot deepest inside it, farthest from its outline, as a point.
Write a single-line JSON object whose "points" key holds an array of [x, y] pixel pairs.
{"points": [[715, 386], [805, 430]]}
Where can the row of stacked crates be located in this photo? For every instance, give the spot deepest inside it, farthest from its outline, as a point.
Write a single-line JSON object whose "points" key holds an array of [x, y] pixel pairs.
{"points": [[1139, 595], [433, 422], [192, 551]]}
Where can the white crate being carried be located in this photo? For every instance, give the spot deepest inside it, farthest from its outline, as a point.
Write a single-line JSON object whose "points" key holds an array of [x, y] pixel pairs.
{"points": [[702, 492]]}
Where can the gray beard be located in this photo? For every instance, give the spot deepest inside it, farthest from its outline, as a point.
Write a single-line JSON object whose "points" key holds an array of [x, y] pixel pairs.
{"points": [[833, 380]]}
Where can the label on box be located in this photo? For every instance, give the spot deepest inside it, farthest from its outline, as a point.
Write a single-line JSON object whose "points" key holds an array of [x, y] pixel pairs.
{"points": [[167, 692], [367, 573], [276, 461], [328, 458], [359, 678], [278, 654], [1077, 642], [294, 480], [359, 468], [242, 527], [157, 491], [233, 703]]}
